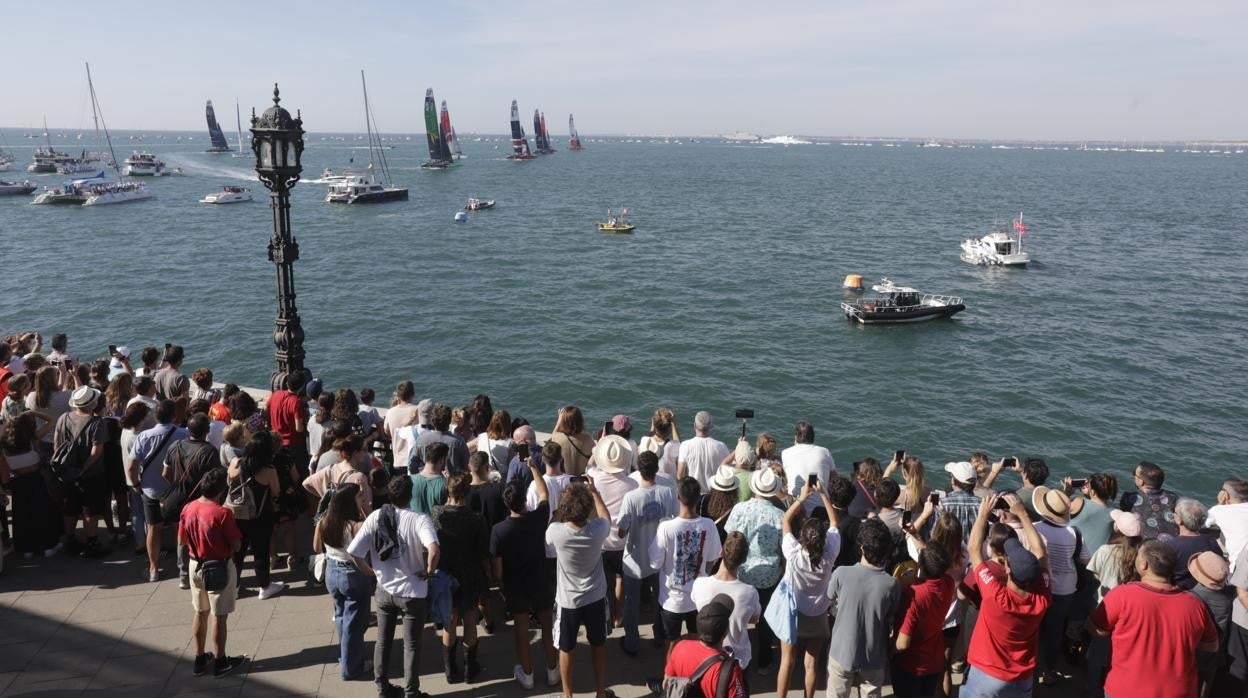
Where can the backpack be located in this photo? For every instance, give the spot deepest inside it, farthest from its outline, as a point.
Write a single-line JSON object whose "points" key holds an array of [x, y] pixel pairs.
{"points": [[322, 507], [691, 687], [241, 500], [71, 454]]}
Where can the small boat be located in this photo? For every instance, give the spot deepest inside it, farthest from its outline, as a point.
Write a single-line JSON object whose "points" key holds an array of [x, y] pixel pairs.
{"points": [[215, 135], [616, 223], [998, 248], [900, 304], [228, 195], [475, 204], [519, 144], [461, 217], [21, 188], [574, 142], [144, 164]]}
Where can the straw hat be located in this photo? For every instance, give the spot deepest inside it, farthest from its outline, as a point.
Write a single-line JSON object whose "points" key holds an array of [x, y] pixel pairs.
{"points": [[613, 454], [84, 398], [725, 479], [764, 483], [1052, 504], [1210, 569]]}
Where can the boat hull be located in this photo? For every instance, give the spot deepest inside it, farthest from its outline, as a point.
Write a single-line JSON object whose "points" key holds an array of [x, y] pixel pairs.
{"points": [[16, 190], [230, 199], [109, 198], [374, 197], [521, 157], [892, 316], [480, 207], [616, 229]]}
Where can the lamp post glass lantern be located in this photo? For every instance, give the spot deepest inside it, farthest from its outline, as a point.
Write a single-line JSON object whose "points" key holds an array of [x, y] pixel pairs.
{"points": [[277, 141]]}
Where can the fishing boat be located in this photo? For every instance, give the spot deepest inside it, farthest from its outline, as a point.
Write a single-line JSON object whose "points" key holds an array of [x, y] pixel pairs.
{"points": [[144, 164], [365, 187], [574, 141], [616, 223], [475, 204], [448, 135], [519, 144], [439, 152], [215, 134], [23, 188], [897, 304], [228, 195], [998, 248], [541, 136]]}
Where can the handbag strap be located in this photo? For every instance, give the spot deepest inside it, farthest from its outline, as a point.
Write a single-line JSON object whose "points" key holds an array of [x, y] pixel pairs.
{"points": [[164, 441], [705, 666]]}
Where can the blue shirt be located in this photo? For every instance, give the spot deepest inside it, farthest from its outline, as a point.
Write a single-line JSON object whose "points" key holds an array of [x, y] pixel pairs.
{"points": [[964, 507], [151, 480], [760, 522]]}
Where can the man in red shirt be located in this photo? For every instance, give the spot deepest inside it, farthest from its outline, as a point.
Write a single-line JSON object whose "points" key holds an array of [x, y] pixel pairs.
{"points": [[288, 416], [920, 660], [688, 656], [1155, 629], [1002, 653], [209, 532]]}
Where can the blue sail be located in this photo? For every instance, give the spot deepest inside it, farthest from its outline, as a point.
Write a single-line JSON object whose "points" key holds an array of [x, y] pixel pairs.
{"points": [[219, 144]]}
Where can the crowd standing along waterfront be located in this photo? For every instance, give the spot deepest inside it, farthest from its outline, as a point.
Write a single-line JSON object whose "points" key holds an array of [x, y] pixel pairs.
{"points": [[741, 550]]}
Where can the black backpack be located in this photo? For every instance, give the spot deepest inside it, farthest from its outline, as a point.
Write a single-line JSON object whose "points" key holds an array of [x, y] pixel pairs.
{"points": [[322, 507], [71, 454], [691, 687]]}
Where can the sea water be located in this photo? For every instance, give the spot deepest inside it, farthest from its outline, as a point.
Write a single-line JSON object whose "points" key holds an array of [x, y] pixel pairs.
{"points": [[1124, 340]]}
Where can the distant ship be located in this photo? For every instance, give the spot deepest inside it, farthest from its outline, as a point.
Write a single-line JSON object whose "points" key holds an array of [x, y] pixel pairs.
{"points": [[519, 144], [219, 144], [541, 137], [574, 142]]}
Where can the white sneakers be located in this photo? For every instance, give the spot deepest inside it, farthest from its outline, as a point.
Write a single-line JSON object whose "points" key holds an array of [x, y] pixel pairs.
{"points": [[272, 590], [525, 680], [552, 675]]}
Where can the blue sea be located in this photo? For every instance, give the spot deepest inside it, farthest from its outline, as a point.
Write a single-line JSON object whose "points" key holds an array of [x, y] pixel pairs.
{"points": [[1123, 341]]}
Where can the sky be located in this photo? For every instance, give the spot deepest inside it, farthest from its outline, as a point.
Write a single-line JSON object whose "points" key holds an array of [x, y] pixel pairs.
{"points": [[1144, 70]]}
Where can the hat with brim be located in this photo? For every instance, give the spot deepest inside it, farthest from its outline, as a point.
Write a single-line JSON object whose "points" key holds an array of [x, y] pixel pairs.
{"points": [[1210, 569], [613, 454], [764, 483], [725, 479], [1127, 522], [84, 398], [1051, 504]]}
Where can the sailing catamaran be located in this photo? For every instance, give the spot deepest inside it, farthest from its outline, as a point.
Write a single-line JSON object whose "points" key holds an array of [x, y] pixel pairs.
{"points": [[541, 136], [96, 191], [363, 188], [519, 144], [448, 134], [439, 153], [574, 142], [219, 144]]}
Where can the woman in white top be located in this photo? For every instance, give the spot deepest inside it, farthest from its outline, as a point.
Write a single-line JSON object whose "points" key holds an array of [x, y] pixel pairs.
{"points": [[663, 441], [348, 579], [810, 555], [496, 442]]}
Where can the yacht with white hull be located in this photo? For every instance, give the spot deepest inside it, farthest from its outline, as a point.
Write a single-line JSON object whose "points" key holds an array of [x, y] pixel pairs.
{"points": [[142, 164], [228, 195], [998, 248]]}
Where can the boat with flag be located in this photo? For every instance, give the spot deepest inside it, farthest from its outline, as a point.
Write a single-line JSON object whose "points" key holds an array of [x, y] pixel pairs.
{"points": [[616, 223], [897, 304], [365, 187], [475, 204], [215, 134], [998, 248], [439, 152], [519, 144], [541, 136], [574, 140]]}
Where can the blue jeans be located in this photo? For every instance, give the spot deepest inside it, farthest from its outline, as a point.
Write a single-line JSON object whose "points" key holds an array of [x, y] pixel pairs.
{"points": [[350, 590], [632, 609], [980, 685]]}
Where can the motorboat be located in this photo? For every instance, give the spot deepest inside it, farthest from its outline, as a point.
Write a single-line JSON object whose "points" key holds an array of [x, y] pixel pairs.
{"points": [[117, 193], [228, 195], [329, 177], [46, 160], [616, 223], [475, 204], [363, 189], [998, 248], [143, 164], [86, 166], [21, 188], [900, 304]]}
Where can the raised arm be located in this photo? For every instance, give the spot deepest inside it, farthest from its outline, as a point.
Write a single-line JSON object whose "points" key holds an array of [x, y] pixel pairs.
{"points": [[1034, 542], [979, 531], [600, 507], [787, 522], [539, 482], [994, 472]]}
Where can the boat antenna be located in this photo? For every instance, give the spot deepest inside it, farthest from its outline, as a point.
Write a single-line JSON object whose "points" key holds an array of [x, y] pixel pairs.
{"points": [[98, 114]]}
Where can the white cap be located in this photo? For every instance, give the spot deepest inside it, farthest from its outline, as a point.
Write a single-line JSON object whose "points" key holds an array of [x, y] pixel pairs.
{"points": [[961, 471]]}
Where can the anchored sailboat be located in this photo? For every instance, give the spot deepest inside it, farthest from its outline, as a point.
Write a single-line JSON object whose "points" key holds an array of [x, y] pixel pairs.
{"points": [[363, 188], [519, 144], [219, 144], [439, 152], [574, 142], [448, 134]]}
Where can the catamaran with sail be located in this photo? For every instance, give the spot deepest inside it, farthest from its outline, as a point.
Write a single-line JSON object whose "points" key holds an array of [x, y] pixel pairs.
{"points": [[574, 141], [519, 144], [439, 152], [448, 134], [364, 187], [215, 134], [96, 191], [541, 137]]}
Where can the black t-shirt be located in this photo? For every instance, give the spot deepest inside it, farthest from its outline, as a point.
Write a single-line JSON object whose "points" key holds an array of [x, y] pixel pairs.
{"points": [[850, 552], [463, 539], [521, 543], [1186, 547], [487, 500]]}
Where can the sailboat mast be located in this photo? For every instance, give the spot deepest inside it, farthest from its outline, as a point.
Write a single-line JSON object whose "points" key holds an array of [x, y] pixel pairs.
{"points": [[368, 119], [95, 113], [47, 134], [238, 120]]}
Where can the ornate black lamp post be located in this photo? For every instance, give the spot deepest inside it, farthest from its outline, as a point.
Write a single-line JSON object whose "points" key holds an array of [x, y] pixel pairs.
{"points": [[277, 140]]}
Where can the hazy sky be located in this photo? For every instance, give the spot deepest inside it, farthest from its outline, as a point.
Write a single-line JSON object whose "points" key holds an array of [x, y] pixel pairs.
{"points": [[1096, 69]]}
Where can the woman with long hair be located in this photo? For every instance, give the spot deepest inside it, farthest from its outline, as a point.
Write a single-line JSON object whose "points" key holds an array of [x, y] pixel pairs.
{"points": [[118, 394], [254, 470], [477, 416], [36, 521], [810, 547], [51, 399], [348, 579], [574, 444], [914, 490], [866, 478], [663, 441], [496, 442]]}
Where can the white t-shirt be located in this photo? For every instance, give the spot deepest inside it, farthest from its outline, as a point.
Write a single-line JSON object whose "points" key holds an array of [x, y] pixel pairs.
{"points": [[216, 433], [667, 451], [800, 461], [397, 575], [745, 608], [702, 456], [498, 449], [396, 419], [1232, 520], [151, 407], [660, 478], [403, 439], [555, 484], [127, 444], [810, 586], [681, 550]]}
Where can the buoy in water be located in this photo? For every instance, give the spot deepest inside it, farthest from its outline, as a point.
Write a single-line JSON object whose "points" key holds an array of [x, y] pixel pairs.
{"points": [[461, 216], [853, 282]]}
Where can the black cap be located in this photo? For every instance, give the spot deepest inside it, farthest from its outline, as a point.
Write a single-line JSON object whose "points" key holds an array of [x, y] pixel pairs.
{"points": [[713, 619]]}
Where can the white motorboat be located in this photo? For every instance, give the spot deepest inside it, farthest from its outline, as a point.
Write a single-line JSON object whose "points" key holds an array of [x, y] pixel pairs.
{"points": [[998, 248], [21, 188], [228, 195], [329, 177], [142, 164], [900, 304], [46, 160]]}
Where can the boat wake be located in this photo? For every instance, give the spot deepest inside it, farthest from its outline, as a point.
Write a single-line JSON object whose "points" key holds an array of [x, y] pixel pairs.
{"points": [[199, 168]]}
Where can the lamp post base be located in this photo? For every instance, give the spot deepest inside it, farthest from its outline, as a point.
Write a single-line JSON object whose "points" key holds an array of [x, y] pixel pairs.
{"points": [[277, 381]]}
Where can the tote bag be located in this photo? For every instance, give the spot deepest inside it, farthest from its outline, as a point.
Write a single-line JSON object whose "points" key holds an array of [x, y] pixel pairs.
{"points": [[781, 613]]}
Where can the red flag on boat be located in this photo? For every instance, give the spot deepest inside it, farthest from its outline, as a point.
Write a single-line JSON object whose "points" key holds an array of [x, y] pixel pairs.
{"points": [[1020, 227]]}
